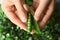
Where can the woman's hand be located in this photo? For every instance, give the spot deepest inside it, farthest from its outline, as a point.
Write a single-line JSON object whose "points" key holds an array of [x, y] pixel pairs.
{"points": [[43, 10], [16, 11]]}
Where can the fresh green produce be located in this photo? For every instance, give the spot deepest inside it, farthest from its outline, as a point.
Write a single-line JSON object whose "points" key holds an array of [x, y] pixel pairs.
{"points": [[29, 23], [32, 23]]}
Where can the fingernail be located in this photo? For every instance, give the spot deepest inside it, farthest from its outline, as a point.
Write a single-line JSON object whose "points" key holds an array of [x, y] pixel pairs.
{"points": [[23, 19], [36, 18], [32, 32]]}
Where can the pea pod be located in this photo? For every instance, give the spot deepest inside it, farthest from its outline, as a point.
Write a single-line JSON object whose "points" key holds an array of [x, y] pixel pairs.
{"points": [[29, 19], [35, 25], [32, 23]]}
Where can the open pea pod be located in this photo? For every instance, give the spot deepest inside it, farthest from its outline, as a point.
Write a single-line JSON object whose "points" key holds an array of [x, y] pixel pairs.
{"points": [[32, 24], [35, 25]]}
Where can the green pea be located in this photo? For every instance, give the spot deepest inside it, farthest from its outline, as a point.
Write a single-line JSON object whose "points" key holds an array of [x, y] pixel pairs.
{"points": [[29, 23]]}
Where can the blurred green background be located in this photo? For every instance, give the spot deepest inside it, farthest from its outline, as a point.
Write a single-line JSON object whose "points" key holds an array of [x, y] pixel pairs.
{"points": [[51, 31]]}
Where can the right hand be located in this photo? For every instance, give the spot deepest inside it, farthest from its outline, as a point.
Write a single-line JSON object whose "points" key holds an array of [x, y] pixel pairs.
{"points": [[16, 11]]}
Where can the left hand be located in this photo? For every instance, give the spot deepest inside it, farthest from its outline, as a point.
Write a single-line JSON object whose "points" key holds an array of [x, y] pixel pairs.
{"points": [[43, 10]]}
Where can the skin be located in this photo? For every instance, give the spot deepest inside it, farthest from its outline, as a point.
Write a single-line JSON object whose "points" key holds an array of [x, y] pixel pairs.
{"points": [[16, 11]]}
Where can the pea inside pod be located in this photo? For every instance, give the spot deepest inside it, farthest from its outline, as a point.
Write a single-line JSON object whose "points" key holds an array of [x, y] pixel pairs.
{"points": [[29, 22]]}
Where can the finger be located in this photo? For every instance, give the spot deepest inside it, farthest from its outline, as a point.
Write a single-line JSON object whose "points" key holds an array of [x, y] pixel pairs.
{"points": [[21, 12], [42, 5], [35, 4], [14, 19], [48, 14], [6, 3], [26, 7]]}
